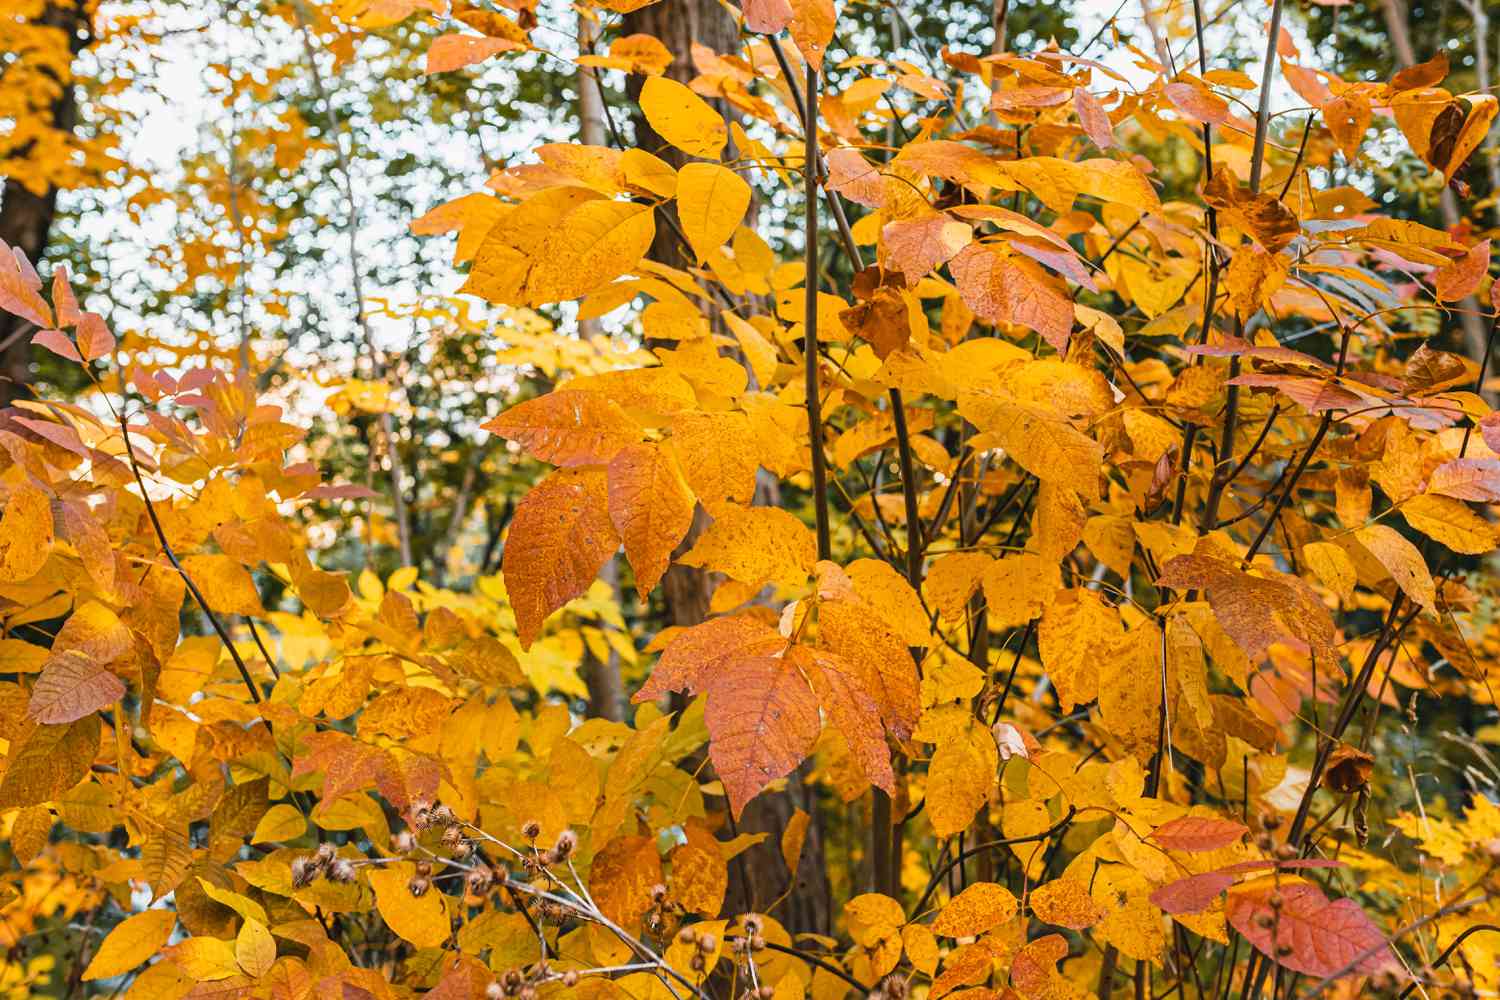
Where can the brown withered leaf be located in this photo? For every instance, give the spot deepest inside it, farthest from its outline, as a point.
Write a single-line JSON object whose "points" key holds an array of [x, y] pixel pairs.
{"points": [[1256, 611], [1348, 769], [1262, 217], [1434, 371]]}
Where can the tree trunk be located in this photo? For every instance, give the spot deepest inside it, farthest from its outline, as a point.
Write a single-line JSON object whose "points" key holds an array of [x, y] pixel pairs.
{"points": [[26, 217], [759, 875]]}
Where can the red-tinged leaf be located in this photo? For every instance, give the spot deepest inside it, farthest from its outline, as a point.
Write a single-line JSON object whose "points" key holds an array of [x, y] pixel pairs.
{"points": [[568, 427], [1193, 894], [1489, 426], [1093, 118], [1315, 395], [916, 246], [1467, 479], [1196, 834], [18, 288], [58, 343], [762, 722], [561, 535], [1295, 864], [850, 702], [1461, 278], [64, 302], [1229, 347], [1255, 610], [1323, 937], [766, 16], [94, 339], [1064, 260], [1198, 103], [854, 177], [450, 52], [696, 654], [340, 491], [73, 684], [59, 434], [1004, 289]]}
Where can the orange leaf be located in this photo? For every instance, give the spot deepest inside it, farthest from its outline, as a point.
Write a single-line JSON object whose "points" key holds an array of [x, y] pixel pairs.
{"points": [[1196, 834], [651, 507], [978, 908], [762, 722], [812, 28], [560, 537], [1461, 278], [766, 16], [568, 427], [450, 52]]}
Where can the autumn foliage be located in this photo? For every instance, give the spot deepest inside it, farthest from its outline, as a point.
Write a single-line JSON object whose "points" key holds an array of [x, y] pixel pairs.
{"points": [[1079, 537]]}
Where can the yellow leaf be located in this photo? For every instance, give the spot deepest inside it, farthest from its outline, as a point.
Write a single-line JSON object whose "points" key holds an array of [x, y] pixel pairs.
{"points": [[595, 243], [756, 545], [812, 28], [282, 822], [978, 908], [206, 959], [421, 920], [255, 949], [227, 587], [1333, 568], [1065, 902], [953, 578], [132, 942], [792, 837], [1449, 521], [1074, 630], [711, 202], [1016, 589], [921, 947], [26, 533], [959, 779], [878, 584], [1402, 560], [683, 118]]}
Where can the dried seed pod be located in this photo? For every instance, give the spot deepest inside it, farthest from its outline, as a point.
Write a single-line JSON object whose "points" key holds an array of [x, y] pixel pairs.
{"points": [[658, 894], [404, 842], [567, 843], [452, 835], [1286, 852], [570, 979], [752, 924], [304, 870], [326, 853], [441, 815], [418, 886], [531, 829], [707, 943], [687, 935], [493, 991], [697, 963], [479, 880], [342, 871], [757, 943], [424, 868]]}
